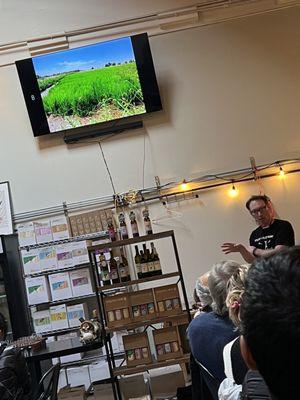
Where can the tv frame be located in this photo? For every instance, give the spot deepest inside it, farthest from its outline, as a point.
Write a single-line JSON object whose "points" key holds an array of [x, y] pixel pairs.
{"points": [[148, 82]]}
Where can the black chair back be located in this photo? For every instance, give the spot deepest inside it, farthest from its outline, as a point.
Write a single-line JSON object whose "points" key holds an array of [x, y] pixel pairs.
{"points": [[48, 391]]}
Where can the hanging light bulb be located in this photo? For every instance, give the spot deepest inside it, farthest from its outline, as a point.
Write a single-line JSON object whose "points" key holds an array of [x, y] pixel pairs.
{"points": [[281, 172], [184, 185], [233, 191]]}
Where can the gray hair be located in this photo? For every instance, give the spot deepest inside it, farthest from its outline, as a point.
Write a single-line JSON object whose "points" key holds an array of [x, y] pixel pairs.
{"points": [[217, 283], [203, 294]]}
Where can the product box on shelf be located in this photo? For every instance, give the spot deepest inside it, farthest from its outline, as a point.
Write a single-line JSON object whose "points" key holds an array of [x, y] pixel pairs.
{"points": [[137, 349], [142, 305], [117, 310], [43, 232], [79, 376], [64, 255], [167, 343], [167, 300], [72, 393], [41, 321], [75, 312], [31, 261], [48, 260], [59, 318], [81, 282], [133, 387], [37, 290], [73, 226], [60, 230], [26, 234], [60, 286], [80, 253]]}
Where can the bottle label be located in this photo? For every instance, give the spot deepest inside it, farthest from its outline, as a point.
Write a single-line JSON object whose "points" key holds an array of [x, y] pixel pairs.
{"points": [[103, 263], [144, 268], [114, 274], [157, 266], [151, 266], [123, 230], [138, 268], [105, 276], [134, 228], [148, 226], [122, 272]]}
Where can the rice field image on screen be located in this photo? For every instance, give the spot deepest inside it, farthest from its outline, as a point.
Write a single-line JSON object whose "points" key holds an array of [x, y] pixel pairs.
{"points": [[89, 85]]}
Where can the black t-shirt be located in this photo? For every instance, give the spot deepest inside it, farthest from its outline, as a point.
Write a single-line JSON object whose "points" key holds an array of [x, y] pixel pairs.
{"points": [[278, 233]]}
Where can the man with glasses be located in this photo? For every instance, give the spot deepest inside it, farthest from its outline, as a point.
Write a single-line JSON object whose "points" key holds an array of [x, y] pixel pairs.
{"points": [[271, 236]]}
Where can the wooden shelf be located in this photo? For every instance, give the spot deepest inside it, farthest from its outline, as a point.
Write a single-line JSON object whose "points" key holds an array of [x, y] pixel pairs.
{"points": [[52, 303], [137, 281], [88, 236], [126, 242], [57, 270], [145, 367], [147, 322]]}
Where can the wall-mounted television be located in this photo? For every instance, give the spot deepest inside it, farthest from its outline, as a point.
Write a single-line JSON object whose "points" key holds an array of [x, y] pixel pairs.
{"points": [[99, 85]]}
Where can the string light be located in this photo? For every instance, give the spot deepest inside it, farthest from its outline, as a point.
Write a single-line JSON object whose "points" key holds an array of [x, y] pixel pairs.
{"points": [[281, 172], [233, 191], [184, 185]]}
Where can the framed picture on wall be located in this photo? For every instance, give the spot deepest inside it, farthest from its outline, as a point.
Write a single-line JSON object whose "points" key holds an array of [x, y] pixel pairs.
{"points": [[6, 226]]}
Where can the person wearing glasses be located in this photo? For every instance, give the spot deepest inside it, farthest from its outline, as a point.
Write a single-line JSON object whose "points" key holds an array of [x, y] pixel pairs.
{"points": [[271, 236]]}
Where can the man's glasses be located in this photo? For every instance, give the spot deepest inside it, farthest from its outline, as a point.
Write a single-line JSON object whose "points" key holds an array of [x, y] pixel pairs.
{"points": [[259, 210]]}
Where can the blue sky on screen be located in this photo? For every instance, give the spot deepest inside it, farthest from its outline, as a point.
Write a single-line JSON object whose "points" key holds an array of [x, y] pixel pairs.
{"points": [[84, 58]]}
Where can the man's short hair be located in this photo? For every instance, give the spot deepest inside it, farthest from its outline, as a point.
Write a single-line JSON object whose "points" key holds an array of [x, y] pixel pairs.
{"points": [[3, 325], [270, 315], [262, 197], [217, 283]]}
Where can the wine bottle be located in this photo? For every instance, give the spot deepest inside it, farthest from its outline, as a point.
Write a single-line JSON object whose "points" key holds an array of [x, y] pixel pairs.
{"points": [[151, 265], [156, 260], [114, 276], [111, 230], [134, 225], [144, 262], [124, 268], [147, 222], [137, 260], [104, 269], [123, 227]]}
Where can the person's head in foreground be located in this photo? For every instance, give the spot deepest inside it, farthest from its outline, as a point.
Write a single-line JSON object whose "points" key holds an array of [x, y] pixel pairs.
{"points": [[3, 327], [270, 314], [217, 283]]}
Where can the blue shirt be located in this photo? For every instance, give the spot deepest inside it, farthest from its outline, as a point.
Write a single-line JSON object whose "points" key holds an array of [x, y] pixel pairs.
{"points": [[208, 334]]}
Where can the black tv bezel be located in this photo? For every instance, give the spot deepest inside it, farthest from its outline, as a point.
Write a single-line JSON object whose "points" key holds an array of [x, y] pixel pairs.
{"points": [[34, 103]]}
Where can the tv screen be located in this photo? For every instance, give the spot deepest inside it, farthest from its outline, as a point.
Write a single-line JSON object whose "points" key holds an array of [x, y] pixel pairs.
{"points": [[101, 83]]}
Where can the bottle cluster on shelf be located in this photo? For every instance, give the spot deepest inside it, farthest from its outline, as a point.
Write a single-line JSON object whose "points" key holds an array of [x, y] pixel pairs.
{"points": [[112, 269], [147, 263], [134, 230]]}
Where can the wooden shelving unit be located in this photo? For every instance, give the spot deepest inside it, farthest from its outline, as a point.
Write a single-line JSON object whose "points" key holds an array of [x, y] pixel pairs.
{"points": [[112, 289]]}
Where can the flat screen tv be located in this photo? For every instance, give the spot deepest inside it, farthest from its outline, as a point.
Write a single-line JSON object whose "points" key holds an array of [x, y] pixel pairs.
{"points": [[99, 85]]}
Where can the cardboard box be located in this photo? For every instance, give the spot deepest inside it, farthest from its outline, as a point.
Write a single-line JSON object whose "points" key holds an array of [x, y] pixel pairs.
{"points": [[167, 300], [81, 282], [137, 349], [142, 305], [73, 226], [75, 312], [37, 290], [79, 376], [133, 386], [99, 371], [26, 234], [59, 318], [103, 391], [117, 309], [80, 253], [41, 321], [165, 381], [43, 232], [31, 261], [60, 228], [60, 286], [167, 343], [64, 255], [73, 393], [48, 260]]}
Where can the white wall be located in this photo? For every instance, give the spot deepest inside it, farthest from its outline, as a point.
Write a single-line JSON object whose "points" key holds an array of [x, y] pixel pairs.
{"points": [[229, 91]]}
